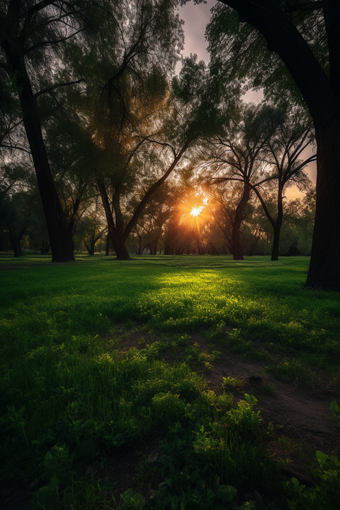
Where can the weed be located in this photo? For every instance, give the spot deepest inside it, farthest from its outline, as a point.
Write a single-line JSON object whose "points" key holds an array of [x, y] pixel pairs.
{"points": [[266, 388], [324, 495], [335, 409], [231, 382]]}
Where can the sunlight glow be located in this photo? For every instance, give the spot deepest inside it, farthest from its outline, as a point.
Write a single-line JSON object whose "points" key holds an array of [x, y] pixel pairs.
{"points": [[195, 211]]}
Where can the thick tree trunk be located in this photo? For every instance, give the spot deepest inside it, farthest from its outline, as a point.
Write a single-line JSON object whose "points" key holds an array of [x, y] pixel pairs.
{"points": [[324, 269], [276, 242], [60, 239], [118, 239], [90, 248], [15, 241], [236, 238], [119, 247]]}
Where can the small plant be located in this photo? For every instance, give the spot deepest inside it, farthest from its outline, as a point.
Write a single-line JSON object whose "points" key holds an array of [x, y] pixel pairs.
{"points": [[226, 493], [244, 420], [335, 410], [322, 496], [231, 382], [266, 388], [183, 340], [131, 501]]}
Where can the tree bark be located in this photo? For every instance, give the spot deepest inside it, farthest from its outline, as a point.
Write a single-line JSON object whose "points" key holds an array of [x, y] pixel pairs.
{"points": [[324, 269], [277, 225], [60, 239], [90, 249], [107, 245], [236, 238], [117, 238], [15, 241]]}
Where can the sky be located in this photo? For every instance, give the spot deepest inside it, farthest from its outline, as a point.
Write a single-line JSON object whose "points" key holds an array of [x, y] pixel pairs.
{"points": [[196, 18]]}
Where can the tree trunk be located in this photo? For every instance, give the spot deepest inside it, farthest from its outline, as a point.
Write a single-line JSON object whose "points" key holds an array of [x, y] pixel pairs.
{"points": [[117, 238], [278, 225], [276, 242], [15, 240], [236, 238], [119, 247], [90, 248], [55, 219], [324, 269], [45, 246]]}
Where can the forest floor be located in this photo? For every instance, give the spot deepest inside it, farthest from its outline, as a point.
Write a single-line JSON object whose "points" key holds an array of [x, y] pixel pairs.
{"points": [[296, 410]]}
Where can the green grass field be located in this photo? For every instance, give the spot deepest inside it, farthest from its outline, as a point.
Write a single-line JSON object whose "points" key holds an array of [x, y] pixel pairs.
{"points": [[71, 397]]}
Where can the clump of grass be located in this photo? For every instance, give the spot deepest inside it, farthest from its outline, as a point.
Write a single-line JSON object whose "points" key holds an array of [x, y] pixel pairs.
{"points": [[266, 388], [231, 382]]}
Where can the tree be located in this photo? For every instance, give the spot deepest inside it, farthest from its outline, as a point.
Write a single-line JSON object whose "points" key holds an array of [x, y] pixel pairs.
{"points": [[156, 128], [291, 139], [150, 225], [29, 31], [223, 202], [238, 157], [44, 46], [310, 54], [16, 215], [301, 214]]}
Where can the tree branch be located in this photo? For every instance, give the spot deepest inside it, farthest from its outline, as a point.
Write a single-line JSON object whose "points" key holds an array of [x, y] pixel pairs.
{"points": [[308, 6], [57, 86]]}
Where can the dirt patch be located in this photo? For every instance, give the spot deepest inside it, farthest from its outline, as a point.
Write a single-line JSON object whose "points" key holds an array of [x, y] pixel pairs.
{"points": [[300, 412]]}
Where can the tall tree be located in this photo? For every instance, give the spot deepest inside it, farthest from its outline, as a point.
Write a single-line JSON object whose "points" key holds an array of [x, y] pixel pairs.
{"points": [[305, 35], [29, 31], [149, 138], [43, 46], [237, 156], [284, 151]]}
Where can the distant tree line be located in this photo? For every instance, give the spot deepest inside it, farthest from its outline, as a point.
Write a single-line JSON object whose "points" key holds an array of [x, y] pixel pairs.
{"points": [[103, 145]]}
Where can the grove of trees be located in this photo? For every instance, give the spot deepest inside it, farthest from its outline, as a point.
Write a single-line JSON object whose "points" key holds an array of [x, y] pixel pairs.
{"points": [[104, 146]]}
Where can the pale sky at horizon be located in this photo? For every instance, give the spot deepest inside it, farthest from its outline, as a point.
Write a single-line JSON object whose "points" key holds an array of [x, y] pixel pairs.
{"points": [[196, 18]]}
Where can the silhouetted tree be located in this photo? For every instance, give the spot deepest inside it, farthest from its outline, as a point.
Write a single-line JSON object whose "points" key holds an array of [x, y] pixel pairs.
{"points": [[306, 37], [237, 156], [291, 139]]}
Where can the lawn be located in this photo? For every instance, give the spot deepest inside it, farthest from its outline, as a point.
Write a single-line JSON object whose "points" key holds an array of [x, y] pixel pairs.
{"points": [[77, 402]]}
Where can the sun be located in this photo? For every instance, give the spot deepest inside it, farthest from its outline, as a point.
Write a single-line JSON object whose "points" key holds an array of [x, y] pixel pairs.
{"points": [[195, 211]]}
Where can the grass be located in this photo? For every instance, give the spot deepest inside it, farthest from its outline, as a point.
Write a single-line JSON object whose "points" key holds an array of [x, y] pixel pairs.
{"points": [[72, 399]]}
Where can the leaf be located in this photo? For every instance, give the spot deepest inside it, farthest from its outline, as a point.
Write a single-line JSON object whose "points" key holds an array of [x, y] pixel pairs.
{"points": [[250, 399], [334, 407], [322, 458], [153, 456], [226, 493]]}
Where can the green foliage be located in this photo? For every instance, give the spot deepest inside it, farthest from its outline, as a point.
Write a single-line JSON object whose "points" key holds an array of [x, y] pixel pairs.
{"points": [[324, 494], [71, 396], [130, 501], [335, 410], [239, 51]]}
